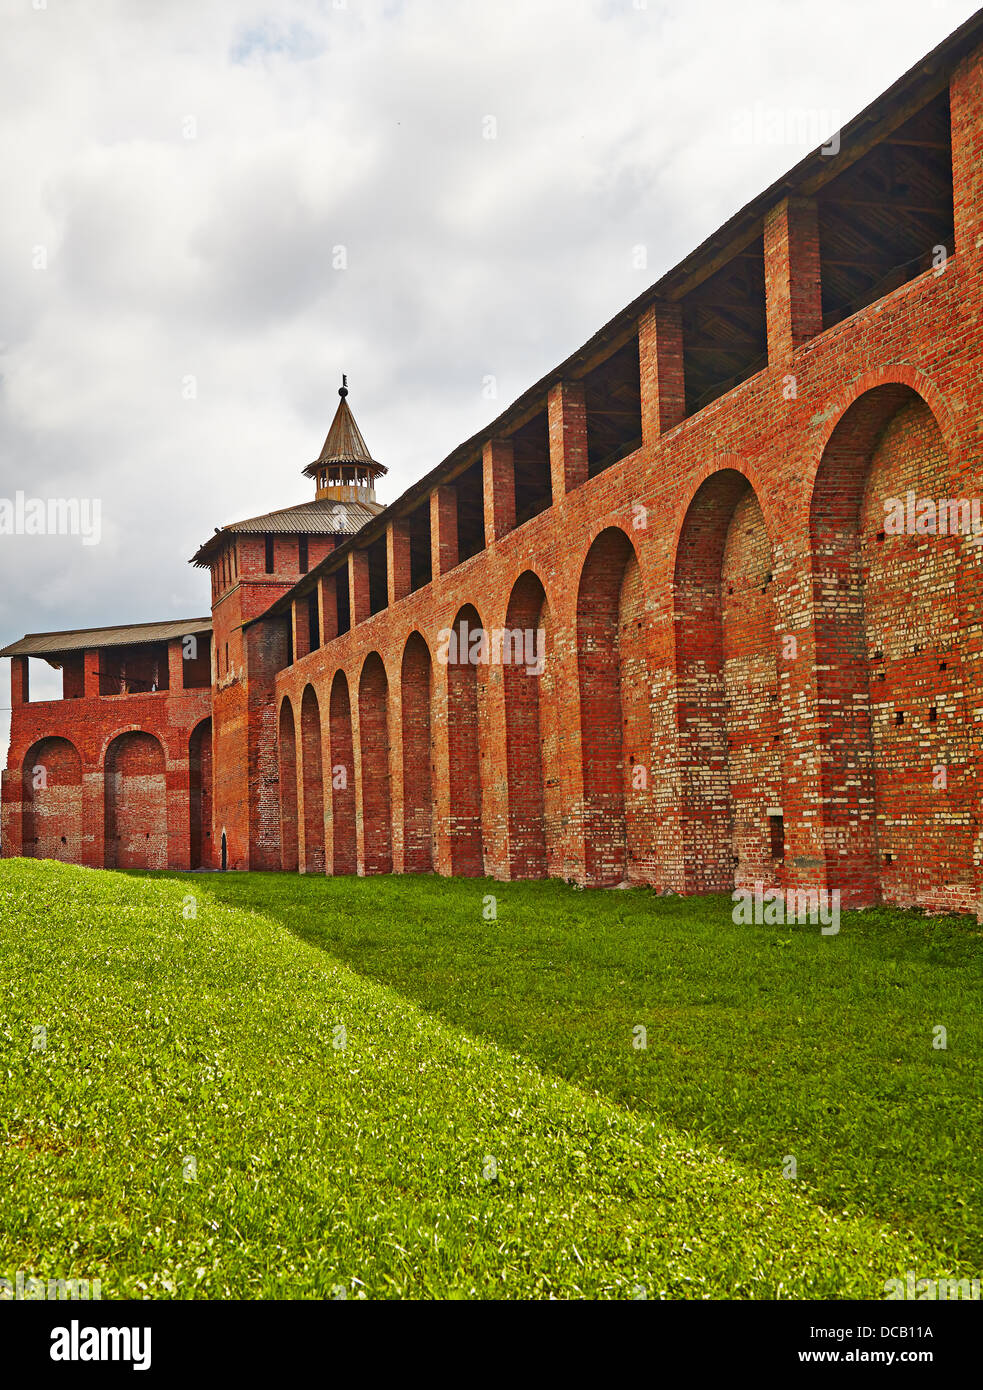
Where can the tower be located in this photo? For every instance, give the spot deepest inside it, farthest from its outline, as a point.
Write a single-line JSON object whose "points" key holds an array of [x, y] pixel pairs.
{"points": [[344, 471], [253, 563]]}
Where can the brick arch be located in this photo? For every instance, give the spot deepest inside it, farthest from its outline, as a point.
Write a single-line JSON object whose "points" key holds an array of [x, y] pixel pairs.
{"points": [[899, 374], [416, 686], [647, 558], [373, 731], [615, 726], [52, 801], [524, 727], [889, 652], [496, 604], [727, 710], [344, 856], [172, 745], [809, 459], [287, 763], [714, 465], [464, 749], [313, 782], [135, 802], [200, 795]]}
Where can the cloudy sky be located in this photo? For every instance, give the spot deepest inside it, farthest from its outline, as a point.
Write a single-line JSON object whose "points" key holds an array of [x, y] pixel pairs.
{"points": [[211, 208]]}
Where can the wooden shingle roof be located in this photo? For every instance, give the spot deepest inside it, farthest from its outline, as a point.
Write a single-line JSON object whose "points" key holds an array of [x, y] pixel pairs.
{"points": [[87, 638]]}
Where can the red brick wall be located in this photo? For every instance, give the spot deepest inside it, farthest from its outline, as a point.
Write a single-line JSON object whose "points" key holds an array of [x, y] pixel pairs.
{"points": [[555, 806], [204, 851], [136, 803], [313, 788], [416, 694], [688, 700], [524, 757], [287, 740], [636, 724], [373, 723], [707, 819], [925, 795], [92, 726], [692, 708], [464, 751], [53, 801], [601, 617], [344, 856], [750, 687]]}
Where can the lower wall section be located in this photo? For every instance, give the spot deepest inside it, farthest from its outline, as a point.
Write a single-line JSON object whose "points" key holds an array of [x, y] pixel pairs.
{"points": [[112, 782], [136, 803], [739, 696], [755, 677]]}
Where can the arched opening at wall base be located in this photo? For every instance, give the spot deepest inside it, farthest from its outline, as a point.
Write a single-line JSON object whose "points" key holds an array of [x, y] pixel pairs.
{"points": [[615, 719], [898, 784], [52, 801], [464, 749], [727, 701]]}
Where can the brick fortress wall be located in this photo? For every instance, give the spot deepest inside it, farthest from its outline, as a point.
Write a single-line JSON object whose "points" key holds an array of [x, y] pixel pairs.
{"points": [[747, 677]]}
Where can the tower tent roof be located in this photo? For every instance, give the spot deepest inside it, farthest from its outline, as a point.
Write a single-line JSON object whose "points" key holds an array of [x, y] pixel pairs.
{"points": [[343, 505], [344, 444]]}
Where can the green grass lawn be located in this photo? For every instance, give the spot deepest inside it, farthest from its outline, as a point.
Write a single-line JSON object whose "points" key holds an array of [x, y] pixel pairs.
{"points": [[488, 1129]]}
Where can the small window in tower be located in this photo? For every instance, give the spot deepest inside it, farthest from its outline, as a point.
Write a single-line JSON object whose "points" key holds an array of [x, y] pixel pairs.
{"points": [[776, 836], [269, 554], [313, 621], [420, 556], [378, 567], [343, 600], [302, 554]]}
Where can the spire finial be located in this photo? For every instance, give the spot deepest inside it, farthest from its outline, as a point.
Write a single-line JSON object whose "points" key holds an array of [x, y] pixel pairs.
{"points": [[343, 388]]}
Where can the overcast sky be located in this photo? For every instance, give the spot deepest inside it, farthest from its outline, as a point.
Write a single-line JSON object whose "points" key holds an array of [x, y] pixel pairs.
{"points": [[178, 178]]}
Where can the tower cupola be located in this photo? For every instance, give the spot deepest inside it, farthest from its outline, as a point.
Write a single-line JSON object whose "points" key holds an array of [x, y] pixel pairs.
{"points": [[344, 471]]}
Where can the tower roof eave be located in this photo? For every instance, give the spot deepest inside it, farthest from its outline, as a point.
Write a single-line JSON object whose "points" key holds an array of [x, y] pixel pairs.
{"points": [[376, 469], [316, 518]]}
